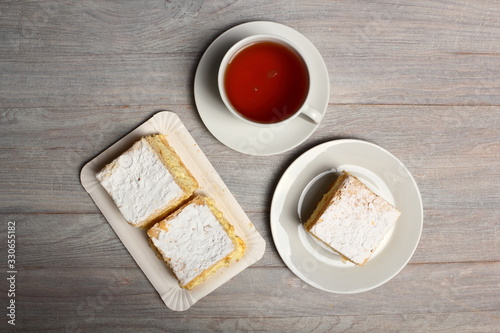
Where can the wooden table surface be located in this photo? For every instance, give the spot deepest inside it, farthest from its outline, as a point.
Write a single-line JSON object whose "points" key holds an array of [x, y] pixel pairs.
{"points": [[419, 78]]}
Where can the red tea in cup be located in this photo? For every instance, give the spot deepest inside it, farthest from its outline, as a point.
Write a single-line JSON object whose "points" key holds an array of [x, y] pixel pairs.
{"points": [[266, 82]]}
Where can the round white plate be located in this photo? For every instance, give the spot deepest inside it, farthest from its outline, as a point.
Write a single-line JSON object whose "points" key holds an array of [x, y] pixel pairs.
{"points": [[236, 134], [379, 170]]}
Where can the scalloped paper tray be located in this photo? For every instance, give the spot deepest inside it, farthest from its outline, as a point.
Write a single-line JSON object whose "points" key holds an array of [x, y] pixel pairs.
{"points": [[135, 240]]}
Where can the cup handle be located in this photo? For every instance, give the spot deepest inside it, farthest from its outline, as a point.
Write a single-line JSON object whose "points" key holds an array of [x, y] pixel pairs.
{"points": [[312, 113]]}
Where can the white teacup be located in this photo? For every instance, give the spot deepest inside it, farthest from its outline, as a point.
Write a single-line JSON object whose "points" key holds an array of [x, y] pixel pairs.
{"points": [[261, 69]]}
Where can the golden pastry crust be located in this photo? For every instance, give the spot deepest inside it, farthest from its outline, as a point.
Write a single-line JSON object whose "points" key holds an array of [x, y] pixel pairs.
{"points": [[181, 174]]}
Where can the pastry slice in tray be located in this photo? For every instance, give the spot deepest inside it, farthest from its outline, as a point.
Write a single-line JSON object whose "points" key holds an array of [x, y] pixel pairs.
{"points": [[148, 181]]}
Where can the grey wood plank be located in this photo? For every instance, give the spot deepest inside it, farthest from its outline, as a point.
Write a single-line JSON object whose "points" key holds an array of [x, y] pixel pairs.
{"points": [[89, 27], [443, 147], [102, 296], [55, 54], [486, 321], [453, 322], [89, 241], [463, 322], [150, 79]]}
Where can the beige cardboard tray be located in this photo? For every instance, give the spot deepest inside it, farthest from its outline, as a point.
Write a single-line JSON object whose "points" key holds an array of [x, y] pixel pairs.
{"points": [[135, 240]]}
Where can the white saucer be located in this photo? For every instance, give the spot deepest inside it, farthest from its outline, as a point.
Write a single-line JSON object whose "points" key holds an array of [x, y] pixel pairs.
{"points": [[314, 263], [231, 131]]}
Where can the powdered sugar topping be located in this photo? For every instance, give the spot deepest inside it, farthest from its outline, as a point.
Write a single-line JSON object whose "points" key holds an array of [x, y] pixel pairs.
{"points": [[355, 221], [139, 183], [194, 241]]}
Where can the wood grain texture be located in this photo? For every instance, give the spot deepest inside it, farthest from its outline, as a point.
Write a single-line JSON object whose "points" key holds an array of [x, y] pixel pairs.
{"points": [[421, 79], [84, 235], [148, 79], [439, 149], [92, 53], [99, 297]]}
